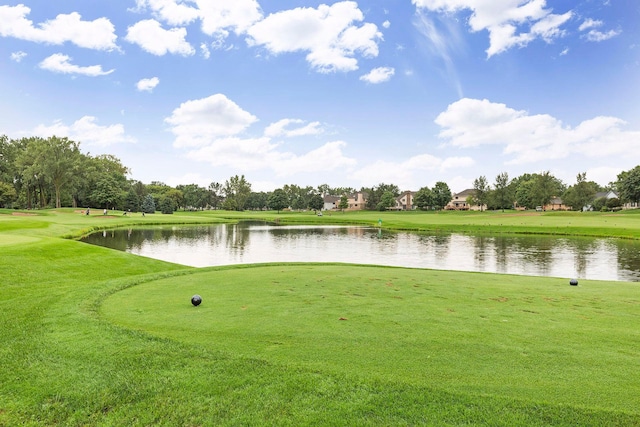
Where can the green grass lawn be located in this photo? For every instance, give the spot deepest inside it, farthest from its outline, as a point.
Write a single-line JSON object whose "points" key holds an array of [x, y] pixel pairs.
{"points": [[92, 336]]}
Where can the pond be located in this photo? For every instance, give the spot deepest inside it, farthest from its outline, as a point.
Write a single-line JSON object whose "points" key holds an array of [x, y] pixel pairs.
{"points": [[250, 242]]}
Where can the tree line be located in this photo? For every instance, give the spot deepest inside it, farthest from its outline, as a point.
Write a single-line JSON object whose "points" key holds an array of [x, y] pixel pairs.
{"points": [[38, 173], [539, 189]]}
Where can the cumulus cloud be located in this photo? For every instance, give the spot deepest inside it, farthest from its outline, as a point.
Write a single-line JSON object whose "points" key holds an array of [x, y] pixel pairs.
{"points": [[210, 129], [238, 15], [147, 84], [589, 23], [527, 138], [217, 17], [261, 153], [98, 34], [507, 21], [170, 11], [386, 24], [18, 56], [599, 36], [86, 131], [151, 37], [378, 75], [594, 35], [328, 34], [198, 122], [283, 128], [408, 173], [60, 63]]}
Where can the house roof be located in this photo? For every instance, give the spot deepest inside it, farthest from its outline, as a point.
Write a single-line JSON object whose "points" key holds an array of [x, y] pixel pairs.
{"points": [[607, 194], [465, 193]]}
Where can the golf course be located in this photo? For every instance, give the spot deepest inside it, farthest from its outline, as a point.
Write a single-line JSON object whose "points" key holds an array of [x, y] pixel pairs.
{"points": [[96, 337]]}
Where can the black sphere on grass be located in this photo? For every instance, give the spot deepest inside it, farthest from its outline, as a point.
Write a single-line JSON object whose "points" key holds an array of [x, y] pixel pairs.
{"points": [[573, 282], [196, 300]]}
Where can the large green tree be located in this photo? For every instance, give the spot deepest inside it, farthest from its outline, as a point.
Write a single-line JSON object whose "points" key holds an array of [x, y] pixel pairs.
{"points": [[423, 198], [545, 187], [236, 191], [387, 201], [441, 194], [374, 194], [581, 194], [628, 185], [481, 191], [316, 202], [278, 200], [502, 192], [107, 193]]}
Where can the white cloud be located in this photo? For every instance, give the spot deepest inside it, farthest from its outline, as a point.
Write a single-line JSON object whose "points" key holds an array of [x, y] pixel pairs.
{"points": [[217, 17], [98, 34], [386, 24], [18, 56], [589, 23], [599, 36], [199, 122], [327, 33], [261, 153], [408, 175], [147, 84], [206, 53], [150, 36], [170, 11], [504, 19], [444, 40], [595, 35], [238, 15], [530, 138], [378, 75], [190, 178], [210, 128], [279, 128], [60, 63], [86, 131]]}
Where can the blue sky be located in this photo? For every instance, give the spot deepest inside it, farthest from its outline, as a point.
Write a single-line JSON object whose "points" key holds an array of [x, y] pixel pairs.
{"points": [[408, 92]]}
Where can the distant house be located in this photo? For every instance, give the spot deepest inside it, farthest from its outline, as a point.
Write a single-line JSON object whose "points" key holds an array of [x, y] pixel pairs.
{"points": [[556, 204], [459, 201], [330, 203], [601, 195], [357, 201], [404, 202]]}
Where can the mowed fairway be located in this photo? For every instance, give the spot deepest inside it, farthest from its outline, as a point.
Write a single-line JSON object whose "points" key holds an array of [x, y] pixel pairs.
{"points": [[92, 336], [524, 338]]}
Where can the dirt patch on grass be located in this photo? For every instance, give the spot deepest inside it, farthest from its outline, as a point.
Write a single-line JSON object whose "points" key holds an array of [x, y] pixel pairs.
{"points": [[23, 214]]}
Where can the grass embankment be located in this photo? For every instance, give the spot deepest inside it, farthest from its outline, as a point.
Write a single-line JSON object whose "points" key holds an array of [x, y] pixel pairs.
{"points": [[624, 224], [92, 336]]}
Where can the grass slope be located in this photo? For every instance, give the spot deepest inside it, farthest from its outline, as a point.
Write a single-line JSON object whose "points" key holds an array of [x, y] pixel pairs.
{"points": [[92, 336]]}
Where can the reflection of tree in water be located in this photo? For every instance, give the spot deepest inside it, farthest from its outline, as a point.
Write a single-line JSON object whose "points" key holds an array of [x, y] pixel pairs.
{"points": [[237, 237], [536, 251], [582, 250], [438, 244], [628, 259], [482, 246]]}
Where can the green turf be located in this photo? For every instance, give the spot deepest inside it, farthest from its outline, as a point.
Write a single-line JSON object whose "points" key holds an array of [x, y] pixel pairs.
{"points": [[530, 338], [91, 336]]}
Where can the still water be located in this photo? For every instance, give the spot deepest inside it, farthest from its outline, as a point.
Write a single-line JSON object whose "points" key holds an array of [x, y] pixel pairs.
{"points": [[249, 242]]}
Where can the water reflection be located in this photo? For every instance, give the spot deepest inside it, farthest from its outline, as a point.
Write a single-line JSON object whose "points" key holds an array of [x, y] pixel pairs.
{"points": [[199, 246]]}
